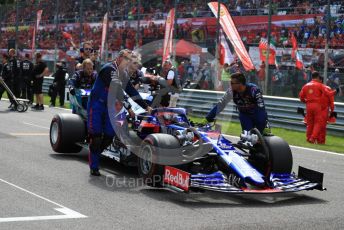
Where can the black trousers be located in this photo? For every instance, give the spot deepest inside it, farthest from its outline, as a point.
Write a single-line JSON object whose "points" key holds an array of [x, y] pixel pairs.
{"points": [[27, 90], [17, 85], [59, 91]]}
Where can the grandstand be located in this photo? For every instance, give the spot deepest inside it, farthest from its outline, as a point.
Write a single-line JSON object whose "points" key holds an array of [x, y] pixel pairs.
{"points": [[136, 23], [310, 35]]}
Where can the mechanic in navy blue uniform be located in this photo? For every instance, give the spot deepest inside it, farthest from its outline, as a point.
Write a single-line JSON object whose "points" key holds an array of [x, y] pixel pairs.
{"points": [[112, 78], [83, 79], [6, 74], [249, 101]]}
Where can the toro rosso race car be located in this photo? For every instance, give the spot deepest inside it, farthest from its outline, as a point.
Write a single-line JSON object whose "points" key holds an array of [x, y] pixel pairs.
{"points": [[170, 151]]}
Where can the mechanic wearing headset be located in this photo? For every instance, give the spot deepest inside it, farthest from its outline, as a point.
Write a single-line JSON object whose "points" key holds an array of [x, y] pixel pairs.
{"points": [[249, 101], [101, 131]]}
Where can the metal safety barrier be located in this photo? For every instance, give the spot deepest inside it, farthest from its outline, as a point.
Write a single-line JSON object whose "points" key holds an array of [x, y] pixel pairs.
{"points": [[282, 112], [46, 83]]}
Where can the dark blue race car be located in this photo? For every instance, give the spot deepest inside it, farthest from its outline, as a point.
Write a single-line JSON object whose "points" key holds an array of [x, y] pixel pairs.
{"points": [[170, 151]]}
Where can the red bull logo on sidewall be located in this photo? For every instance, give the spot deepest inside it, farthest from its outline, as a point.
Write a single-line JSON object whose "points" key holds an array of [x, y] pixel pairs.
{"points": [[177, 177]]}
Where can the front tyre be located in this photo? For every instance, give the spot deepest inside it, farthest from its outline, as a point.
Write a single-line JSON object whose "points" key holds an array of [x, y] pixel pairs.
{"points": [[65, 131], [280, 155], [152, 148]]}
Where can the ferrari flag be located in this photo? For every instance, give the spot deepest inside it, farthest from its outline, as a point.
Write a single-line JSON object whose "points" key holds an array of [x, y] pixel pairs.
{"points": [[167, 49], [230, 30]]}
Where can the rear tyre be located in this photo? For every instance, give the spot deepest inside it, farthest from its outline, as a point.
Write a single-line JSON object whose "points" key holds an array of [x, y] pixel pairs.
{"points": [[151, 148], [65, 131]]}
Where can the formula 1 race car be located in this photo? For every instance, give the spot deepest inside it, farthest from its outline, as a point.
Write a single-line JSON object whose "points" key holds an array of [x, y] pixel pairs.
{"points": [[170, 151]]}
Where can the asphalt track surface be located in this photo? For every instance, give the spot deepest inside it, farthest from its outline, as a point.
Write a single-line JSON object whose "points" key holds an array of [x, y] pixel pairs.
{"points": [[40, 189]]}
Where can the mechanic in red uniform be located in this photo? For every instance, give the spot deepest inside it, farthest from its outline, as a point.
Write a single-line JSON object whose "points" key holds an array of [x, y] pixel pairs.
{"points": [[328, 108], [312, 94]]}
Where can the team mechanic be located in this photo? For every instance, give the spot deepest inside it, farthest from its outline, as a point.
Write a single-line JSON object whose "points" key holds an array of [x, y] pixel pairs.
{"points": [[83, 79], [99, 124], [249, 101]]}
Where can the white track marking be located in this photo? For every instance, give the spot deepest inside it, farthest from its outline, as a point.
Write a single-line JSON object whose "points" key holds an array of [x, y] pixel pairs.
{"points": [[29, 134], [39, 126], [297, 147], [317, 150], [67, 213]]}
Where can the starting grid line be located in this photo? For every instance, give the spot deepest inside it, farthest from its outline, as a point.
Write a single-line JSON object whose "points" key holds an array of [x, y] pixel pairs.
{"points": [[67, 213]]}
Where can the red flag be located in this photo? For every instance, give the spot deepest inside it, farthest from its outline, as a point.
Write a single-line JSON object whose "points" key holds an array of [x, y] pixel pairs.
{"points": [[230, 30], [294, 45], [169, 27], [104, 32], [67, 35], [35, 29]]}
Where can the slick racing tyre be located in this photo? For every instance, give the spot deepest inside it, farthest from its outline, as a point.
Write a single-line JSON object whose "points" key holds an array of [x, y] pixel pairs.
{"points": [[280, 156], [65, 131], [151, 148]]}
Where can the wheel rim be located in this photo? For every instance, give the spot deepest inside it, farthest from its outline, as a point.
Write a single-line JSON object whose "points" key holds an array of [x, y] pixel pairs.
{"points": [[20, 108], [146, 160], [54, 133]]}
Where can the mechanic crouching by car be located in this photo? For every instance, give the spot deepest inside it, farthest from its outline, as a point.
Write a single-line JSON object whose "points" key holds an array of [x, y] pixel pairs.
{"points": [[99, 125], [249, 101]]}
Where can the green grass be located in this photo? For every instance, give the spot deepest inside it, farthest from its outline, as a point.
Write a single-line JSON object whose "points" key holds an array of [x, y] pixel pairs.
{"points": [[46, 100], [297, 138], [57, 102]]}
